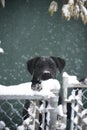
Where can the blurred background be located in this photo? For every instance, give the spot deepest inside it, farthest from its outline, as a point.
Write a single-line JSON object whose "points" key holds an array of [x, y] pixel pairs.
{"points": [[27, 30]]}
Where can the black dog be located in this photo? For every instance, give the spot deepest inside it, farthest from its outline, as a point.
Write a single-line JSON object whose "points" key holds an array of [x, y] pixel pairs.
{"points": [[42, 68]]}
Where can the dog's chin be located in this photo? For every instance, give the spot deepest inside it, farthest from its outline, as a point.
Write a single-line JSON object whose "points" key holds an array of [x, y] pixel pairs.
{"points": [[36, 82], [36, 87], [46, 78]]}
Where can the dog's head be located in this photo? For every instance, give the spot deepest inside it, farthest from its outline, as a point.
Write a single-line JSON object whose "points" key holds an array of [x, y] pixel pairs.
{"points": [[43, 68]]}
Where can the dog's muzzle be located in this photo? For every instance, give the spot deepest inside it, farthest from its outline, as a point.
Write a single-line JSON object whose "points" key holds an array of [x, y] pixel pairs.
{"points": [[46, 75]]}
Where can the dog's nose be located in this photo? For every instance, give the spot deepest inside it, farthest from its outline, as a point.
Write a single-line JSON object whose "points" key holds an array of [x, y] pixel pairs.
{"points": [[46, 75]]}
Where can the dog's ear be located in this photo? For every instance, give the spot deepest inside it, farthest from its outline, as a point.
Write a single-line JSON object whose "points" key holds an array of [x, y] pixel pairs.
{"points": [[31, 64], [60, 63]]}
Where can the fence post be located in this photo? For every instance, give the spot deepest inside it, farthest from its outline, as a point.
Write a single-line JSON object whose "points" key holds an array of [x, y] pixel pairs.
{"points": [[80, 105], [53, 101], [65, 93]]}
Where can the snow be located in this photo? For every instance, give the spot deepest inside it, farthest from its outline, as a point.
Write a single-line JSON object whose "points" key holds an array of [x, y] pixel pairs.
{"points": [[71, 78], [1, 50], [24, 89], [60, 125], [21, 127], [15, 89], [85, 120], [41, 108], [71, 2], [76, 120], [84, 10], [65, 11], [6, 128], [84, 112], [60, 111], [48, 117], [2, 125], [52, 83], [3, 3]]}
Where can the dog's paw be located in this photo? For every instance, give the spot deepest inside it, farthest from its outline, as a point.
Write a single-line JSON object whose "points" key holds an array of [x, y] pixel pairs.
{"points": [[36, 87]]}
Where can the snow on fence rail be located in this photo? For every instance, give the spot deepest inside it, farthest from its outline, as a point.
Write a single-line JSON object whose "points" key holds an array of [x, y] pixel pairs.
{"points": [[8, 107]]}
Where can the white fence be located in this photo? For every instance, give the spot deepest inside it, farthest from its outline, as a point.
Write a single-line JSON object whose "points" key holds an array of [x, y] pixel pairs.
{"points": [[12, 100], [12, 104]]}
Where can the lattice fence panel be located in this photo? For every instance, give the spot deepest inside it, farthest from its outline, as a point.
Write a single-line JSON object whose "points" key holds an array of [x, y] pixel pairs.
{"points": [[78, 100], [11, 113], [79, 109]]}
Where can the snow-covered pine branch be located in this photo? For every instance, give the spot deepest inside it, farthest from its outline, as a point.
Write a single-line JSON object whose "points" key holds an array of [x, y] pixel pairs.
{"points": [[83, 12], [73, 8], [3, 3]]}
